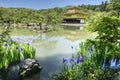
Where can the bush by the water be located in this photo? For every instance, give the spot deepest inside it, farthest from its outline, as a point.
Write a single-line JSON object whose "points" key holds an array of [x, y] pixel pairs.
{"points": [[98, 59]]}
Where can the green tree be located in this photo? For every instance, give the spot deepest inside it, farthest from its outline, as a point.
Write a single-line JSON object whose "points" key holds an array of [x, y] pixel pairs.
{"points": [[115, 6], [108, 40], [108, 30], [103, 6], [1, 15], [17, 16]]}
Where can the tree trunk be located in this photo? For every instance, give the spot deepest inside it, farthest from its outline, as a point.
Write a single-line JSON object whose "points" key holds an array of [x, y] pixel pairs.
{"points": [[2, 20], [9, 24], [40, 25], [118, 13], [14, 24]]}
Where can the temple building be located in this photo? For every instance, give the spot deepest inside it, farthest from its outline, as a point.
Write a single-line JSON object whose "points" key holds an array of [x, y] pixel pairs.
{"points": [[74, 15]]}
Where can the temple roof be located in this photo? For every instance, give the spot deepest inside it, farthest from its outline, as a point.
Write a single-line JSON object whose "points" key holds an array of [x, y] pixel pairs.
{"points": [[77, 8], [74, 13]]}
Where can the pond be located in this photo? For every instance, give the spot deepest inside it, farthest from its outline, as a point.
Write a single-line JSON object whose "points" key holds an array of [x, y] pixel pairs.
{"points": [[51, 47], [51, 51]]}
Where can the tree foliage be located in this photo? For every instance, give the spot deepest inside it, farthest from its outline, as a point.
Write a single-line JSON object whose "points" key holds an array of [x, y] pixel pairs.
{"points": [[108, 40], [108, 29], [115, 6], [102, 7], [23, 15]]}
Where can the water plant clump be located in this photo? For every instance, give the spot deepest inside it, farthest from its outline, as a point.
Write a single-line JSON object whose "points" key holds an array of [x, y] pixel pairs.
{"points": [[88, 65], [70, 70], [11, 51]]}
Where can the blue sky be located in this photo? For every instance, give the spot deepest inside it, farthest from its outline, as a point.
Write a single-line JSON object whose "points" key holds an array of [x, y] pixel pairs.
{"points": [[44, 4]]}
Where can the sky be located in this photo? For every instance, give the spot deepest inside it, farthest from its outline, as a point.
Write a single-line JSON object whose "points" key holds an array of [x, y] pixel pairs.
{"points": [[44, 4]]}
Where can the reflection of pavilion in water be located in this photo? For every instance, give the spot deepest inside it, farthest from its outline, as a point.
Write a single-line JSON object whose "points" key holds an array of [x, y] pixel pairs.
{"points": [[47, 43], [71, 34], [71, 27], [77, 35], [43, 36]]}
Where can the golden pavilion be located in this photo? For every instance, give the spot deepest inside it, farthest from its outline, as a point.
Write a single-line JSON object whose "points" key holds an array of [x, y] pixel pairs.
{"points": [[74, 15]]}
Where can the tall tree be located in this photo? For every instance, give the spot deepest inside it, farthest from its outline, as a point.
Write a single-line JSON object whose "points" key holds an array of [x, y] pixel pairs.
{"points": [[115, 6], [103, 6], [1, 15]]}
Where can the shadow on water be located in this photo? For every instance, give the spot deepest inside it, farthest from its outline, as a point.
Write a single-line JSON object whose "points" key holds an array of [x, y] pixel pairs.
{"points": [[50, 53], [51, 65], [71, 27], [13, 74]]}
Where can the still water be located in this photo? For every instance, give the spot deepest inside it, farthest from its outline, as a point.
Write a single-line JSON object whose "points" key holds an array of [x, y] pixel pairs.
{"points": [[51, 51], [51, 47]]}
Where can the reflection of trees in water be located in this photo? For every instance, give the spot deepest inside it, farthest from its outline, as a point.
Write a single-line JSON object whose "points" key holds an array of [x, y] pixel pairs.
{"points": [[54, 34], [44, 36], [49, 40], [50, 45], [45, 41]]}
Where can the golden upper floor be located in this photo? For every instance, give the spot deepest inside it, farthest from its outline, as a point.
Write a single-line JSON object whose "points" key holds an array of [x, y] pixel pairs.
{"points": [[74, 12]]}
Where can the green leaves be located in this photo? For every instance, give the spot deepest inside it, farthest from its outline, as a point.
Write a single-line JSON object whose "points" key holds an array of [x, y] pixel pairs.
{"points": [[11, 51], [22, 15], [28, 51], [107, 43], [108, 29], [115, 6]]}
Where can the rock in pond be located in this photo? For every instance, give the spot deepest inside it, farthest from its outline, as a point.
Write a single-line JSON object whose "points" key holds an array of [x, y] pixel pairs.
{"points": [[29, 67]]}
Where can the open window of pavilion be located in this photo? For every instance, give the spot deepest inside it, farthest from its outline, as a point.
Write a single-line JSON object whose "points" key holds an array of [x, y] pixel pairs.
{"points": [[74, 15]]}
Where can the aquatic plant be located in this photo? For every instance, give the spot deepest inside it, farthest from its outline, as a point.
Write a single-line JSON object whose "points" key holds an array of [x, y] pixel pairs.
{"points": [[11, 51], [72, 62], [70, 70], [86, 65], [29, 51]]}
